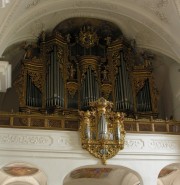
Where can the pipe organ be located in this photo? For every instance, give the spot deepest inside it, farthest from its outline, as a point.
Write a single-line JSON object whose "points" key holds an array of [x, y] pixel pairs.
{"points": [[54, 78], [69, 68]]}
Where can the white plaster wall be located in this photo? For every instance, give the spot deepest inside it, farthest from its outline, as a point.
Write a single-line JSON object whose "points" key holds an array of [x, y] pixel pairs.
{"points": [[175, 87], [57, 153], [5, 76]]}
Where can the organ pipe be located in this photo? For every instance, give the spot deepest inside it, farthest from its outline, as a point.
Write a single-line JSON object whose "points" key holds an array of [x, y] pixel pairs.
{"points": [[33, 94], [123, 91], [122, 85], [102, 127], [144, 99]]}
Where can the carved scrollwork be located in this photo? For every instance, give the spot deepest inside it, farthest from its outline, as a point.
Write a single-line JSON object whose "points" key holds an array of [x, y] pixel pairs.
{"points": [[103, 138], [36, 79], [20, 86], [129, 58], [72, 88], [116, 61], [49, 49], [138, 84], [60, 56], [155, 96], [106, 90], [88, 37]]}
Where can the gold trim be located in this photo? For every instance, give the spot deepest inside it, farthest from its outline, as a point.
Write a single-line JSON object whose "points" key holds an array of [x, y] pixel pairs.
{"points": [[102, 130]]}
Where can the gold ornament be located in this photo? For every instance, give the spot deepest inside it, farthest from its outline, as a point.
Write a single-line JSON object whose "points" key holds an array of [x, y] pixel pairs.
{"points": [[102, 130], [88, 37]]}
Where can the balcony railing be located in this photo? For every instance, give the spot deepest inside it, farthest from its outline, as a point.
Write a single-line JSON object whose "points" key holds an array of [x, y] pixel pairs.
{"points": [[68, 121]]}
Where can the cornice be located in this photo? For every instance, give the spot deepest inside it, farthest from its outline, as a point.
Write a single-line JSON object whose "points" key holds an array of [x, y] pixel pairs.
{"points": [[60, 143]]}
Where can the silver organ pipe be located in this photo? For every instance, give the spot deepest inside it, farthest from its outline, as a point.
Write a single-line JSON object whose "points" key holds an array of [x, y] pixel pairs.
{"points": [[88, 83], [30, 91], [144, 99], [49, 86], [55, 82], [82, 93], [27, 91], [62, 91], [118, 133], [33, 94], [124, 77], [54, 77], [149, 107], [87, 132], [102, 127], [89, 86], [93, 90], [58, 84], [51, 76], [89, 89], [123, 91]]}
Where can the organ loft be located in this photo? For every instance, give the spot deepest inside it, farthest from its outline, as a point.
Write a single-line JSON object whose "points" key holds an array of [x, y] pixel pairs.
{"points": [[80, 61]]}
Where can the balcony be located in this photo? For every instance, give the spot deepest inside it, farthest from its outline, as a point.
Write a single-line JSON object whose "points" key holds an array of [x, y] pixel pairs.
{"points": [[70, 122]]}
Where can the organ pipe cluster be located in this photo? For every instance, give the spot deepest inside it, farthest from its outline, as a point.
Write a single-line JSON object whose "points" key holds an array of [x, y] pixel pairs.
{"points": [[66, 71], [102, 130]]}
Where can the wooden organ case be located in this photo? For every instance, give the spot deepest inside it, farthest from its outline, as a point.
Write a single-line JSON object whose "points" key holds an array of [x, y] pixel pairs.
{"points": [[68, 70]]}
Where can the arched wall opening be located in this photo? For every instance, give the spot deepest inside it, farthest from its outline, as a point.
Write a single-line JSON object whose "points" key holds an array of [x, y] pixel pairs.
{"points": [[108, 175], [169, 175], [22, 173]]}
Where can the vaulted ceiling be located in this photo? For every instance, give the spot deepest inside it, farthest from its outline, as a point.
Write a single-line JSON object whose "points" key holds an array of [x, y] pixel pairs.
{"points": [[154, 24]]}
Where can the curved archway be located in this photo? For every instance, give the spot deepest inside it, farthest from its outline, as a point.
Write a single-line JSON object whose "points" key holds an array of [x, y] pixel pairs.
{"points": [[110, 11], [108, 175], [169, 175], [22, 173], [19, 183]]}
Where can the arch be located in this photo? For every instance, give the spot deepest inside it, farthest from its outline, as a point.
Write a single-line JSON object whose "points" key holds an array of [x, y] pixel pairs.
{"points": [[169, 175], [22, 173], [130, 179], [109, 174], [19, 183], [87, 9]]}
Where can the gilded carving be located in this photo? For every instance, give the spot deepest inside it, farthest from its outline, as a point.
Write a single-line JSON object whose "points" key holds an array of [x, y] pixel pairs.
{"points": [[72, 88], [60, 55], [102, 130], [106, 90], [116, 61], [88, 37], [71, 69], [19, 84], [37, 78], [138, 84]]}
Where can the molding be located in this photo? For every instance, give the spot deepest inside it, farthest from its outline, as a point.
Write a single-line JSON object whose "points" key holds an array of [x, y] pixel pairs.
{"points": [[48, 143], [25, 139]]}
